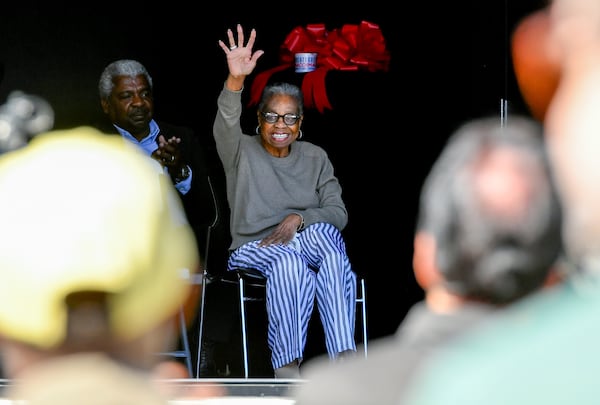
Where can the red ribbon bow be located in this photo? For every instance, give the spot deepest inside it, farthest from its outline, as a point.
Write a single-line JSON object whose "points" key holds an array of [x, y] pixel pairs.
{"points": [[350, 48]]}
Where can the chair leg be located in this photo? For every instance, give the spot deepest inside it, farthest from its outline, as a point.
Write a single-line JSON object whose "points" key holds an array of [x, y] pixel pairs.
{"points": [[243, 326], [184, 352], [363, 301], [186, 344], [203, 282]]}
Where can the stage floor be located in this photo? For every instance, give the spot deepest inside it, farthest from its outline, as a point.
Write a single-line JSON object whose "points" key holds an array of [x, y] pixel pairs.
{"points": [[234, 391]]}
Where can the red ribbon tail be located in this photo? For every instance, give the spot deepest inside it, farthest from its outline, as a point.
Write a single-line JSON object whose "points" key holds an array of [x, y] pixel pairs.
{"points": [[259, 83], [307, 90], [313, 87]]}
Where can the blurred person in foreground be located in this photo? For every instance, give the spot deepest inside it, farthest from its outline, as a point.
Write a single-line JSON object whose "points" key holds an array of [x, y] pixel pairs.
{"points": [[287, 214], [545, 350], [488, 234], [126, 91], [96, 246]]}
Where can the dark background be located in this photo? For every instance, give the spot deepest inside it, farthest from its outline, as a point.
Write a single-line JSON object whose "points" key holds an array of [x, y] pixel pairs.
{"points": [[449, 62]]}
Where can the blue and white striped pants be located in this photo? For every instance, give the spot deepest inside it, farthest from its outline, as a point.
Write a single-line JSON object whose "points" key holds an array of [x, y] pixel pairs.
{"points": [[314, 264]]}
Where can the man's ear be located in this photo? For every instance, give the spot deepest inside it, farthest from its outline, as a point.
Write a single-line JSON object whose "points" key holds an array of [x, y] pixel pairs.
{"points": [[104, 105], [426, 272], [535, 66]]}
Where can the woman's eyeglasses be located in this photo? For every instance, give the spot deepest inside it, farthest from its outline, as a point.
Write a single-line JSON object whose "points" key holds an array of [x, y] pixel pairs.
{"points": [[272, 118]]}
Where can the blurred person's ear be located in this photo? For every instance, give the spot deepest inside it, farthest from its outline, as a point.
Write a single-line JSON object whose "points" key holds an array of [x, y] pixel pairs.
{"points": [[554, 278], [426, 272], [534, 62], [558, 273]]}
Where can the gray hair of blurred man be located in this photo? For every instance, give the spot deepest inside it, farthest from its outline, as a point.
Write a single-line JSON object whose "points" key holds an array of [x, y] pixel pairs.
{"points": [[496, 222]]}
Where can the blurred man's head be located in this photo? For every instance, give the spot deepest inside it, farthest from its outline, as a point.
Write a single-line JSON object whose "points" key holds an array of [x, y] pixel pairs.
{"points": [[489, 213]]}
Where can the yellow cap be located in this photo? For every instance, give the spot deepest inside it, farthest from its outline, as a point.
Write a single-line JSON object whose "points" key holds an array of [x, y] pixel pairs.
{"points": [[82, 210]]}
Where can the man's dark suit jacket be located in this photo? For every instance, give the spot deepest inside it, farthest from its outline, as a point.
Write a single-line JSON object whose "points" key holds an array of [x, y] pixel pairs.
{"points": [[198, 202]]}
